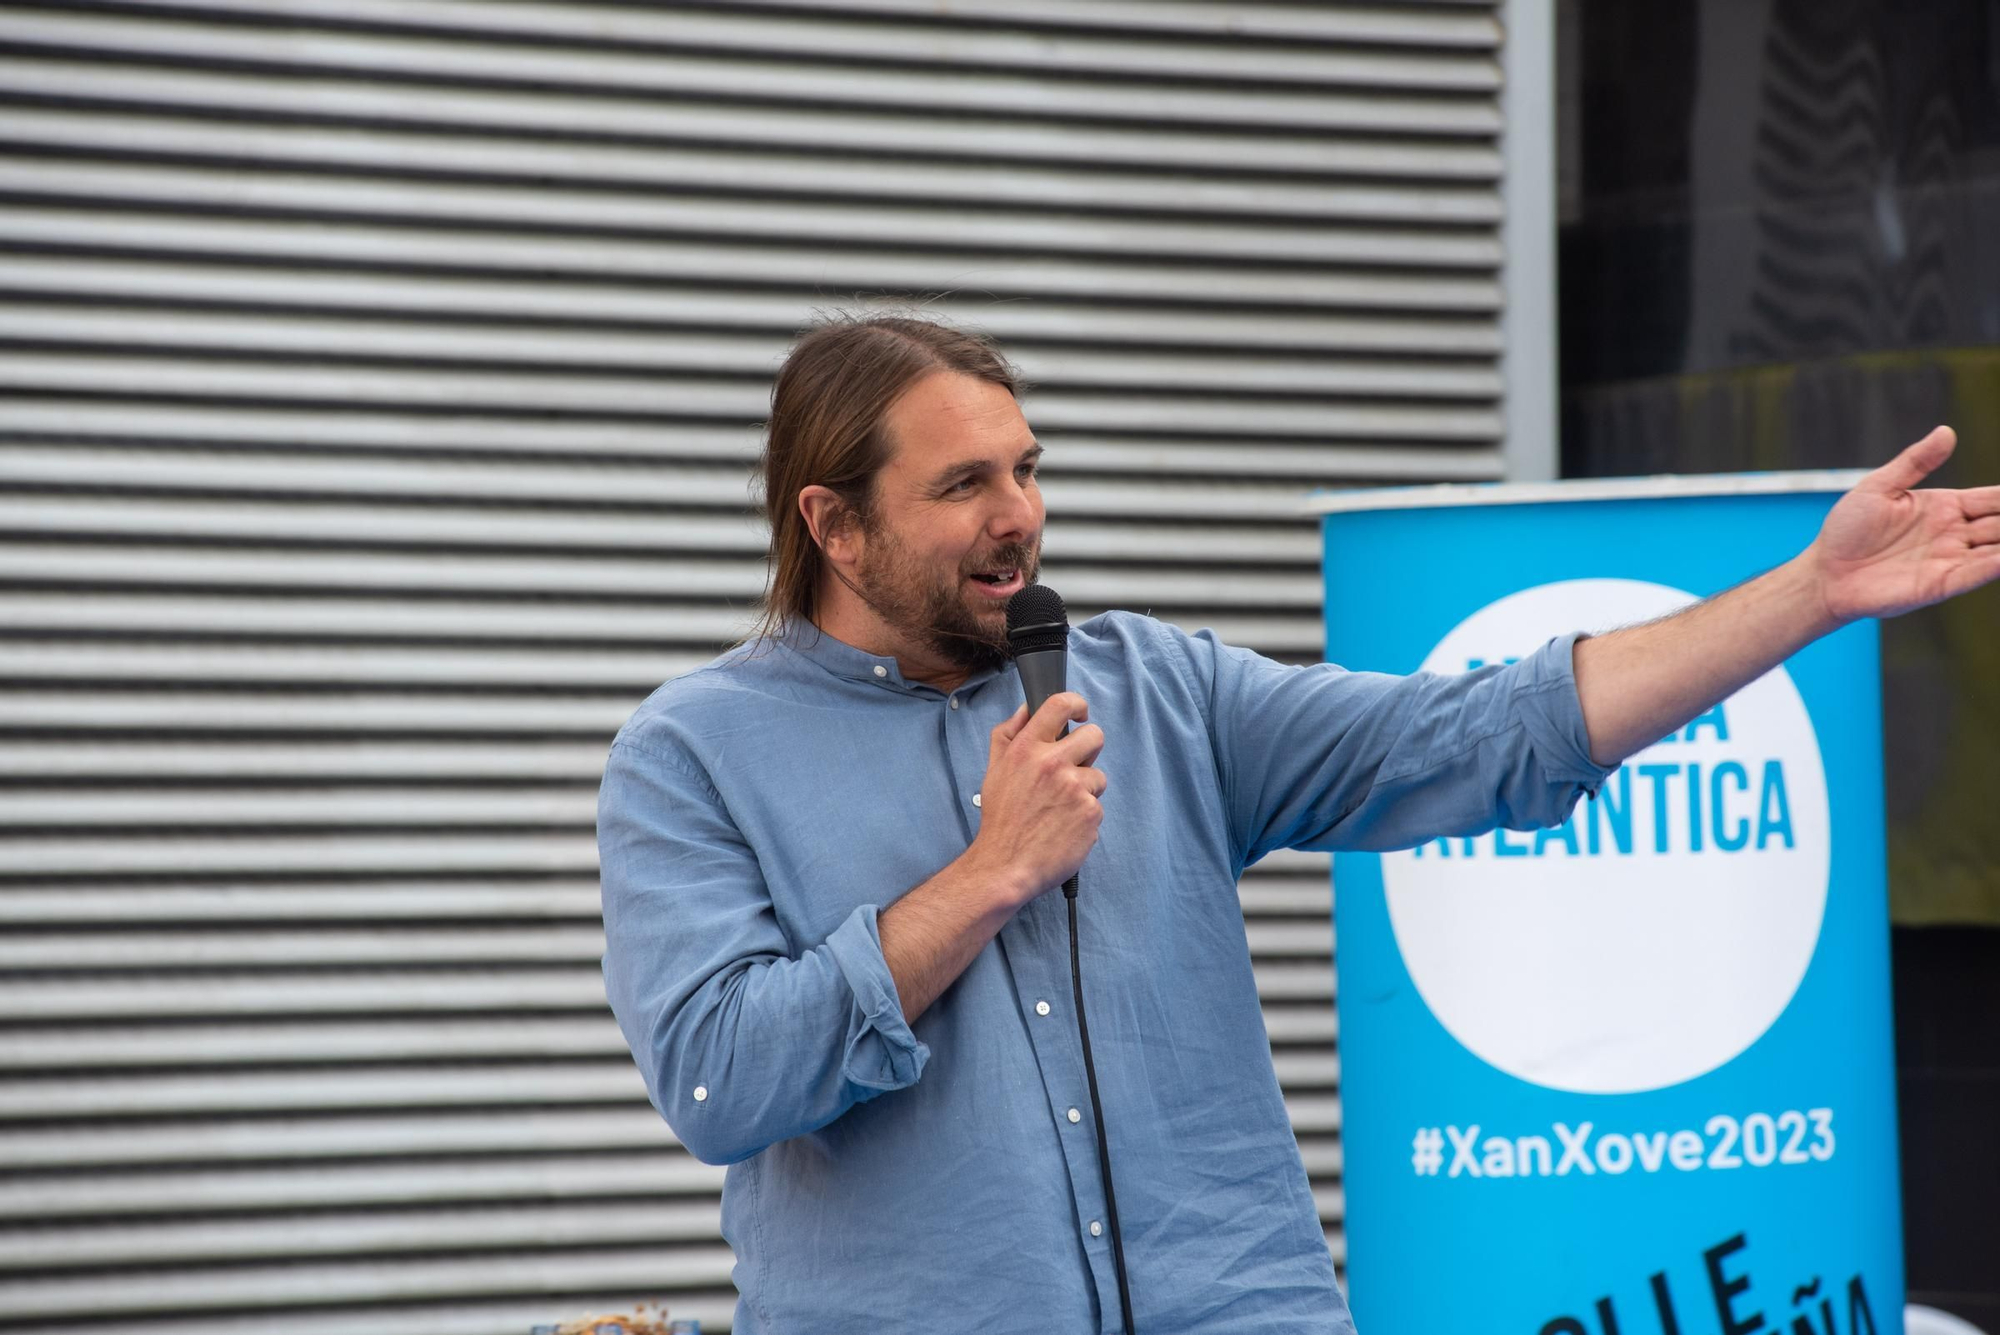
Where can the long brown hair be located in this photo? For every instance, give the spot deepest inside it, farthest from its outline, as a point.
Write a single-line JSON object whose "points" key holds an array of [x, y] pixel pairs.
{"points": [[828, 410]]}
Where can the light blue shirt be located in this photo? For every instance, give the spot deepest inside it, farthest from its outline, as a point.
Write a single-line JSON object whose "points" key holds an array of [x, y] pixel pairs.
{"points": [[758, 814]]}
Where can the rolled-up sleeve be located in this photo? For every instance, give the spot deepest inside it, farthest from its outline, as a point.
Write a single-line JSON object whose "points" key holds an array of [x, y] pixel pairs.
{"points": [[742, 1044], [1321, 758]]}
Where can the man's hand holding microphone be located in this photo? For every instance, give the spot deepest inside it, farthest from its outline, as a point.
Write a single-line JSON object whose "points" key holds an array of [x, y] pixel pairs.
{"points": [[1039, 809], [1039, 813]]}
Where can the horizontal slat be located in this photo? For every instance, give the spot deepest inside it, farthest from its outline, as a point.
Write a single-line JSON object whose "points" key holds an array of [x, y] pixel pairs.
{"points": [[432, 1085], [810, 274], [111, 712], [306, 808], [1142, 48], [1085, 328], [157, 663], [265, 854], [615, 58], [657, 398], [1262, 895], [333, 854], [1431, 25], [1294, 862], [362, 618], [269, 901], [389, 991], [76, 1047], [440, 1132], [444, 620], [1068, 466], [81, 467], [1283, 939], [326, 855], [73, 1047], [631, 192], [665, 121], [382, 991], [1313, 1113], [458, 1134], [303, 808], [1285, 893], [25, 565], [664, 398], [693, 484], [194, 1288], [1321, 1156], [1307, 1070], [340, 1089], [385, 523], [1294, 982], [596, 353], [404, 458], [574, 806], [499, 947], [543, 763], [401, 1233], [284, 1186], [1300, 1024], [104, 661]]}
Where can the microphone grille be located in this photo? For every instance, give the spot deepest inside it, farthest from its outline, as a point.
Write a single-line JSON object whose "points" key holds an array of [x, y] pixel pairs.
{"points": [[1037, 619]]}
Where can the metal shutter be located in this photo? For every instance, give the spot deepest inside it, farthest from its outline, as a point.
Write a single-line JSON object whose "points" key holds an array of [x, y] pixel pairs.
{"points": [[380, 378]]}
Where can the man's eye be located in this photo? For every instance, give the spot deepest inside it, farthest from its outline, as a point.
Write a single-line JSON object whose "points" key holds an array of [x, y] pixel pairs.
{"points": [[963, 485], [1026, 471]]}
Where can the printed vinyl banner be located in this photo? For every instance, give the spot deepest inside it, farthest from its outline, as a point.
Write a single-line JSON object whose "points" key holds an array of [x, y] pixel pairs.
{"points": [[1632, 1075]]}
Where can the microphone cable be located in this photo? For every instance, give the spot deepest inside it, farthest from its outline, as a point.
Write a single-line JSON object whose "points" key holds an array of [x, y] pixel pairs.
{"points": [[1038, 638], [1097, 1112]]}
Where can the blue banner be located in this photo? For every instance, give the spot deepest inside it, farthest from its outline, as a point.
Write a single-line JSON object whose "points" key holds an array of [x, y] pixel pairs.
{"points": [[1632, 1075]]}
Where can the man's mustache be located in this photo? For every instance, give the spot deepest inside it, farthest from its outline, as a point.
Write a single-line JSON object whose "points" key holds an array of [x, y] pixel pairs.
{"points": [[1026, 559]]}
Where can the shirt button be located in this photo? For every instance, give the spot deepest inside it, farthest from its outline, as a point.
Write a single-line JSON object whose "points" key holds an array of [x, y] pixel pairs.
{"points": [[1096, 1228], [881, 671], [1041, 1008], [954, 702], [975, 799], [701, 1093], [1075, 1116]]}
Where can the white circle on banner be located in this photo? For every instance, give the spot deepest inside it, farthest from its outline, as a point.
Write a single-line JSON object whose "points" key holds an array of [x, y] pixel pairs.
{"points": [[1667, 924]]}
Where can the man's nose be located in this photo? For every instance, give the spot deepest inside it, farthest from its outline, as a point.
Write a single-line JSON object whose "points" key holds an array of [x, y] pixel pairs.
{"points": [[1017, 515]]}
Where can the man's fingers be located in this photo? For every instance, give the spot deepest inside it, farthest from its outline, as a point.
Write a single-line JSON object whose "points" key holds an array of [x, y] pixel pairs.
{"points": [[1913, 465], [1007, 731], [1059, 710], [1096, 780], [1979, 569], [1082, 746], [1979, 502]]}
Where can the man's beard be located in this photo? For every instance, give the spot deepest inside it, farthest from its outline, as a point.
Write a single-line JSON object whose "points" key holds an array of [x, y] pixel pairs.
{"points": [[915, 600]]}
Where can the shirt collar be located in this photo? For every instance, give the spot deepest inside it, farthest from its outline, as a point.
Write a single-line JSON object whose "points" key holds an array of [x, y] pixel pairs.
{"points": [[844, 660]]}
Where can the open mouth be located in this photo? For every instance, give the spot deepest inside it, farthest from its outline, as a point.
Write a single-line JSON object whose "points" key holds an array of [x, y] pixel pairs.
{"points": [[999, 583]]}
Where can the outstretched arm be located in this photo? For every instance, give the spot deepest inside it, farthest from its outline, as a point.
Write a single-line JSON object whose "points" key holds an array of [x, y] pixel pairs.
{"points": [[1885, 549]]}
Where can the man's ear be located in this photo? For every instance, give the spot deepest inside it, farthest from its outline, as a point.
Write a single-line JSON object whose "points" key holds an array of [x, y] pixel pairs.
{"points": [[831, 523]]}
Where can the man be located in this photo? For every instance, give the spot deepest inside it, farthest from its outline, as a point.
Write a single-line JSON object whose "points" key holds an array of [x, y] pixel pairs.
{"points": [[827, 859]]}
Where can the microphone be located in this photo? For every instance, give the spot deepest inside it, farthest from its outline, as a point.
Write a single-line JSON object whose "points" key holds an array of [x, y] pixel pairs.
{"points": [[1038, 634]]}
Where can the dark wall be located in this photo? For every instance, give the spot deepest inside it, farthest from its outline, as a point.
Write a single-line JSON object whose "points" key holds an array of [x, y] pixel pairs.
{"points": [[1781, 249], [1948, 1086]]}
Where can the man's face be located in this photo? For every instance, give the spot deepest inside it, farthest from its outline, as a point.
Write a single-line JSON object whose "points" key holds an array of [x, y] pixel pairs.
{"points": [[956, 524]]}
